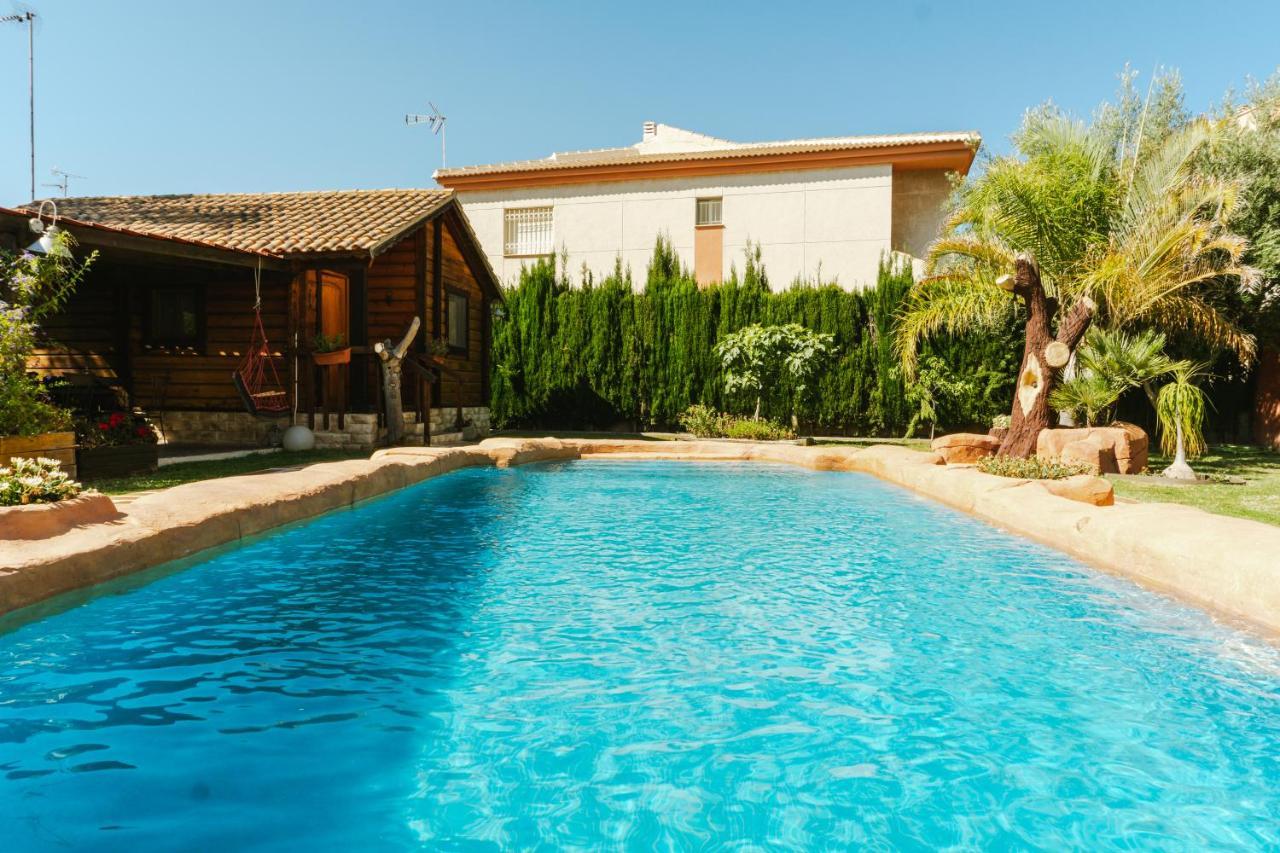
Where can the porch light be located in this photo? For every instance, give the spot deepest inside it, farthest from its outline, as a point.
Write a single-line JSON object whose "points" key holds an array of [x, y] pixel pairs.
{"points": [[45, 244]]}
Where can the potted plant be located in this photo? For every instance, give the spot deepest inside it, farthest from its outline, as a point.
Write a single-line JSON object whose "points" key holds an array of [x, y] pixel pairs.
{"points": [[437, 349], [329, 350], [115, 445]]}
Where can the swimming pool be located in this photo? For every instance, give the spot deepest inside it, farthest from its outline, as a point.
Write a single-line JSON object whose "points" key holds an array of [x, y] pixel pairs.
{"points": [[637, 654]]}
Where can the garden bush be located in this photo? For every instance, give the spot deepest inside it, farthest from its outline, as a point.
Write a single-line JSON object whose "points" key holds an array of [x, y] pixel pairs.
{"points": [[31, 288], [706, 422], [35, 481], [1031, 468], [754, 430], [702, 421]]}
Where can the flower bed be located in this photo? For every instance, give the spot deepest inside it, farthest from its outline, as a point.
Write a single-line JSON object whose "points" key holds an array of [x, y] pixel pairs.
{"points": [[117, 445]]}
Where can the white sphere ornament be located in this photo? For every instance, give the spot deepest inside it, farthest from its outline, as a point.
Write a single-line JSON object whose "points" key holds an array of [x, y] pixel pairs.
{"points": [[298, 438]]}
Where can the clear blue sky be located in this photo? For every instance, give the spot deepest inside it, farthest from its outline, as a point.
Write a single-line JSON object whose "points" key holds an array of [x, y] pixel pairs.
{"points": [[164, 97]]}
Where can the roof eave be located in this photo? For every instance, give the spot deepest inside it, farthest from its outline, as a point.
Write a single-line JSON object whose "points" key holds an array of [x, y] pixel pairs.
{"points": [[955, 155], [93, 235]]}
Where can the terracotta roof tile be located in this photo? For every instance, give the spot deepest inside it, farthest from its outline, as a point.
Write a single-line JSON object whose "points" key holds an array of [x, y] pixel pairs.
{"points": [[282, 224]]}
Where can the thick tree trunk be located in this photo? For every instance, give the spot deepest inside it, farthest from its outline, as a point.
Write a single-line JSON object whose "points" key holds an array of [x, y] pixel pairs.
{"points": [[1043, 356], [392, 357]]}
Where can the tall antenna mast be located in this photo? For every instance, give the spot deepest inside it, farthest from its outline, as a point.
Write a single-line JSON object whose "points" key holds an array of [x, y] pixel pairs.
{"points": [[436, 122], [64, 178], [29, 18]]}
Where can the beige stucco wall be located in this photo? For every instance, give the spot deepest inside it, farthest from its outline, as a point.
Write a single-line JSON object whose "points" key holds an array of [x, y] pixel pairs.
{"points": [[837, 220], [918, 200]]}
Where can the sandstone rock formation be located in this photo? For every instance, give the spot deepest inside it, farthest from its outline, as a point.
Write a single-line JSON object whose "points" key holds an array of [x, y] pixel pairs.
{"points": [[963, 447], [1117, 449]]}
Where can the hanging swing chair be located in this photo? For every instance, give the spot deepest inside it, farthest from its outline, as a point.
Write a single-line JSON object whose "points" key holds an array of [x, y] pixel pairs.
{"points": [[256, 379]]}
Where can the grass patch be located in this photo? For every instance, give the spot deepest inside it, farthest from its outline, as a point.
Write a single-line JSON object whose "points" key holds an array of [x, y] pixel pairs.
{"points": [[1258, 499], [871, 440], [577, 433], [190, 472]]}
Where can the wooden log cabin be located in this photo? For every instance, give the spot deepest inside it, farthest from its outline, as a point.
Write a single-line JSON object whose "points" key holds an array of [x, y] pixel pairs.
{"points": [[166, 314]]}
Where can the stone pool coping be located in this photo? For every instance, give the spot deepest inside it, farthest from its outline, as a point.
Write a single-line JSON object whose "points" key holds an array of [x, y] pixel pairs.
{"points": [[1227, 565]]}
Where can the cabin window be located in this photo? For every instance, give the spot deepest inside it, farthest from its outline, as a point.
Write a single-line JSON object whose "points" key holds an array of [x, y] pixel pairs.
{"points": [[526, 232], [173, 317], [458, 322], [709, 211]]}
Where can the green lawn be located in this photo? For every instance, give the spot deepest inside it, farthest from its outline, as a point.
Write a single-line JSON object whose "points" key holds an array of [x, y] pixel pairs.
{"points": [[868, 441], [189, 472], [1257, 499]]}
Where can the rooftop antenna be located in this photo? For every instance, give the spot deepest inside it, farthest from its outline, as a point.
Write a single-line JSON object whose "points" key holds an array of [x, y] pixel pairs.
{"points": [[436, 122], [64, 178]]}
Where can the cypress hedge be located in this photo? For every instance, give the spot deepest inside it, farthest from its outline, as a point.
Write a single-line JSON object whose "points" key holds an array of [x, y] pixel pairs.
{"points": [[607, 355]]}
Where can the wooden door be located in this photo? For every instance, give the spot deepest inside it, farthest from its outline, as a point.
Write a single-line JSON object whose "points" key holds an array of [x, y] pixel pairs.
{"points": [[334, 306], [334, 310]]}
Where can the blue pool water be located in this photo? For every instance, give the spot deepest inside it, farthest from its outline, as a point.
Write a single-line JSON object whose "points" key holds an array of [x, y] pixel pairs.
{"points": [[637, 655]]}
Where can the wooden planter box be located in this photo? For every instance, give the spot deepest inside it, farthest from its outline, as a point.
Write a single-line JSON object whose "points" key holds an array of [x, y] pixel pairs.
{"points": [[51, 445], [99, 463]]}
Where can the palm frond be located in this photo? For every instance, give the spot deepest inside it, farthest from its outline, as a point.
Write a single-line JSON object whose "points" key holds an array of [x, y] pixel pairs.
{"points": [[955, 303]]}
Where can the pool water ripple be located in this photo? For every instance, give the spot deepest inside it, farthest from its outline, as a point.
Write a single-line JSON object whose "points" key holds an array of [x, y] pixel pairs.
{"points": [[672, 655]]}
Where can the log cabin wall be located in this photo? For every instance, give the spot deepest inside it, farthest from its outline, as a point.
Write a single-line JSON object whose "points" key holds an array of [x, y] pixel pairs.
{"points": [[105, 330], [401, 284]]}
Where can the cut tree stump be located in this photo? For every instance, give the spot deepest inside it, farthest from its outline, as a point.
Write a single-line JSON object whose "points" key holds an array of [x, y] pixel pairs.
{"points": [[1042, 355], [392, 357]]}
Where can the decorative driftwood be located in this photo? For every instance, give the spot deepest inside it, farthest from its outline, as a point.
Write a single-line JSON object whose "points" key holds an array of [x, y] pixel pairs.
{"points": [[391, 360], [1042, 357]]}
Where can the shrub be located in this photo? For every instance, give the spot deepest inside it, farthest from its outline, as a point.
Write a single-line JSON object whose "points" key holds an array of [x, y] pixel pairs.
{"points": [[706, 422], [31, 288], [35, 481], [1032, 468], [702, 421], [26, 410], [754, 430], [1002, 421]]}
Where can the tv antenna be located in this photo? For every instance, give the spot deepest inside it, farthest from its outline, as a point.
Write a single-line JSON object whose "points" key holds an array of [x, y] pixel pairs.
{"points": [[436, 122], [64, 178]]}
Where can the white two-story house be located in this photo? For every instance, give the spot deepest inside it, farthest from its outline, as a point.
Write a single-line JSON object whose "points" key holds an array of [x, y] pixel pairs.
{"points": [[828, 208]]}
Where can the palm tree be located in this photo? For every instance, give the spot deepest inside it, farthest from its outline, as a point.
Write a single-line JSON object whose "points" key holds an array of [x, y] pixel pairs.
{"points": [[1126, 360], [1180, 408], [1089, 233]]}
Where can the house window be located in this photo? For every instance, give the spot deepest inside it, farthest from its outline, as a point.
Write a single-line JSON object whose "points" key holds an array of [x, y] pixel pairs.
{"points": [[709, 211], [457, 322], [527, 231], [173, 317]]}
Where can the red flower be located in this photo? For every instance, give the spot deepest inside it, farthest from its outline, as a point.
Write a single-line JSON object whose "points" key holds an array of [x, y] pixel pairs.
{"points": [[116, 419], [142, 430], [104, 426]]}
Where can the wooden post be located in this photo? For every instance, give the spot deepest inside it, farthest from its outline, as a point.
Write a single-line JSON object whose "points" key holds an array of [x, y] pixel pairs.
{"points": [[358, 335], [420, 299], [437, 290], [1043, 355], [123, 340]]}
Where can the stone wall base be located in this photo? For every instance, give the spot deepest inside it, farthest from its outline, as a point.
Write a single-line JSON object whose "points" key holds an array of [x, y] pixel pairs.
{"points": [[240, 429], [232, 429]]}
